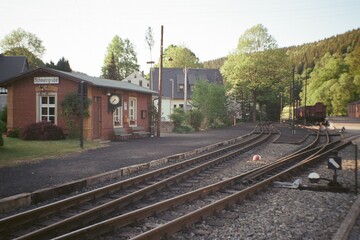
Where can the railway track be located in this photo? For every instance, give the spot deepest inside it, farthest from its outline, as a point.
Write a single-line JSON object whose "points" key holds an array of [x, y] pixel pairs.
{"points": [[75, 212], [171, 214], [175, 213]]}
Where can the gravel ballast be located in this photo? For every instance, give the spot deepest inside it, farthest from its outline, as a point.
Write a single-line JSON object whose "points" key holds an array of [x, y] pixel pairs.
{"points": [[281, 213]]}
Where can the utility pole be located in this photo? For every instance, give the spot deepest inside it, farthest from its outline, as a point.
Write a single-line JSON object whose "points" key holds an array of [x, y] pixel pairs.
{"points": [[160, 83], [82, 114], [185, 88], [305, 96], [281, 105], [293, 100]]}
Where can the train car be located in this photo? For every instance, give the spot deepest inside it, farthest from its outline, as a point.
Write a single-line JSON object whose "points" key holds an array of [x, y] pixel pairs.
{"points": [[313, 114], [354, 109]]}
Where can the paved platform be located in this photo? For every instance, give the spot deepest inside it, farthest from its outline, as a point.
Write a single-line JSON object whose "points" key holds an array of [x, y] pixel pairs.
{"points": [[291, 135], [351, 125]]}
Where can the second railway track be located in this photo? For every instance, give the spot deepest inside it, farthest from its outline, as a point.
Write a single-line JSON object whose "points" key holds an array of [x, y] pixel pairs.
{"points": [[85, 208], [208, 200]]}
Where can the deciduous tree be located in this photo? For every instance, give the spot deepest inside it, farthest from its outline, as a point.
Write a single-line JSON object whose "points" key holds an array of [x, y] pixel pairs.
{"points": [[19, 38], [210, 99], [179, 57], [257, 66]]}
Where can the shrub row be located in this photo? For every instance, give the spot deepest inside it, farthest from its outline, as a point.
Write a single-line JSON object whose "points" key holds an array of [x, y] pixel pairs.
{"points": [[42, 131], [38, 131]]}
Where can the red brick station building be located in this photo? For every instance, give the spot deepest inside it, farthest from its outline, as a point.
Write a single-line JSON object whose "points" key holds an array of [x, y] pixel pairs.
{"points": [[36, 96]]}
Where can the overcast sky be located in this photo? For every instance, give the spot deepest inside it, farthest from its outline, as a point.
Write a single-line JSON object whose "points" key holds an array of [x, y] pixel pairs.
{"points": [[80, 30]]}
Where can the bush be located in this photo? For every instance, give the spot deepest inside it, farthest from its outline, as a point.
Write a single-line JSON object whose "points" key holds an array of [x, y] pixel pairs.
{"points": [[42, 131], [13, 133], [3, 114], [183, 129], [194, 118], [71, 113], [3, 119], [2, 127], [178, 117]]}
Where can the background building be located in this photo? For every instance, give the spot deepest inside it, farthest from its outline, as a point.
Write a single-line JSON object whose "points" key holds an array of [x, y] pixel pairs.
{"points": [[173, 85]]}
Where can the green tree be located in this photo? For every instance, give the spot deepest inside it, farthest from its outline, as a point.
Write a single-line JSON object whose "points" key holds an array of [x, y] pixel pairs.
{"points": [[324, 82], [178, 117], [257, 67], [3, 114], [3, 120], [210, 99], [256, 39], [194, 117], [62, 65], [111, 71], [21, 39], [122, 53], [334, 82], [179, 57], [71, 113]]}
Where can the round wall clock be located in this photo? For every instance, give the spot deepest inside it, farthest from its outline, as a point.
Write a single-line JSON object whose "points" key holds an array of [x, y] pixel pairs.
{"points": [[114, 99]]}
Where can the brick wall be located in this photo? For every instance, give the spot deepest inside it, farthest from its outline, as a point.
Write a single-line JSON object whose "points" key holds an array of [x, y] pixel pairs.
{"points": [[22, 105]]}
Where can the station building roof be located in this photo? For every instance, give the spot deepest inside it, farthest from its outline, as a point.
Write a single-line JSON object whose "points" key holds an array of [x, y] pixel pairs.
{"points": [[79, 77]]}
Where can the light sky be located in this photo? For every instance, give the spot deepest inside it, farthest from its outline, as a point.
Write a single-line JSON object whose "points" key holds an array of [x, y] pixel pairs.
{"points": [[81, 30]]}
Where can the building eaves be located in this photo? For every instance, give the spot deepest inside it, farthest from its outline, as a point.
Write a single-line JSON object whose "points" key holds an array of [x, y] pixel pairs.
{"points": [[78, 77]]}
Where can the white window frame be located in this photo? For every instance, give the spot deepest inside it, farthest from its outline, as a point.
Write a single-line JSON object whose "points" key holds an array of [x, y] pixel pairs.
{"points": [[117, 117], [40, 105], [132, 111]]}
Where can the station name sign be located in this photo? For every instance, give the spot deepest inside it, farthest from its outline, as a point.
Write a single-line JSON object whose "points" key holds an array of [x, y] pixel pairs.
{"points": [[46, 80]]}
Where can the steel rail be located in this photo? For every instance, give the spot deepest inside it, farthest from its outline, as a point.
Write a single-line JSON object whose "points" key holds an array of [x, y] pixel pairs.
{"points": [[190, 218], [46, 210], [126, 219], [87, 216]]}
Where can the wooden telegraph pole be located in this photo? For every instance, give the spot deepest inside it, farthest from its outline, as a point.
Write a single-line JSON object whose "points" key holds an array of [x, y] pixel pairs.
{"points": [[160, 84]]}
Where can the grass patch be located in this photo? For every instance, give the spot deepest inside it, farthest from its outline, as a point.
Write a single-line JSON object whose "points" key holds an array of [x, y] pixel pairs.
{"points": [[16, 151]]}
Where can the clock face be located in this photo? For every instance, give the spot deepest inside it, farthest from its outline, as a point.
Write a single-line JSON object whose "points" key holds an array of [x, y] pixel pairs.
{"points": [[114, 99]]}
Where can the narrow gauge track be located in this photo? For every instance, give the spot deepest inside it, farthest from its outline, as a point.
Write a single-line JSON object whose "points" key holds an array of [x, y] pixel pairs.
{"points": [[77, 211], [214, 198]]}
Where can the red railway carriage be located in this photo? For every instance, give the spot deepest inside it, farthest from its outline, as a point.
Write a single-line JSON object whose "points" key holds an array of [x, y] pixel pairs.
{"points": [[314, 114], [354, 109]]}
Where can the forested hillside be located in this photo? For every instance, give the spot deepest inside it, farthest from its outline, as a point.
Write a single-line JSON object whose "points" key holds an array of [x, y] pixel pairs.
{"points": [[309, 54], [330, 69]]}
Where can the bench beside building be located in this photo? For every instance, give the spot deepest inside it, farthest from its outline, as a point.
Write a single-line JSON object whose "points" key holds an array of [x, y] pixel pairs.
{"points": [[36, 96]]}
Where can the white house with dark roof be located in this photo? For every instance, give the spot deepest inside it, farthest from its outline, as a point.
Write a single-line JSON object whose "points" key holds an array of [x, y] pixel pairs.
{"points": [[173, 86], [138, 79]]}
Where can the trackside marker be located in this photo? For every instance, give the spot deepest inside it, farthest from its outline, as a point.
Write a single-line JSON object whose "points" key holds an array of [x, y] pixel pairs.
{"points": [[335, 164]]}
